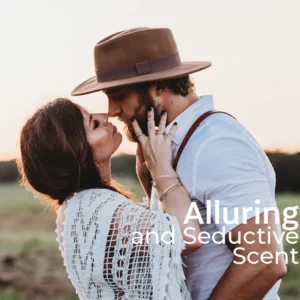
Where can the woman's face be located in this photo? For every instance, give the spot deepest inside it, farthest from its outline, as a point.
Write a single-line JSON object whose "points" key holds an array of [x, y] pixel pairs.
{"points": [[102, 135]]}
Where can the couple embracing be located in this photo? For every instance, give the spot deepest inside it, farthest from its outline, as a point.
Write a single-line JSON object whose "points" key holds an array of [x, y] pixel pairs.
{"points": [[187, 152]]}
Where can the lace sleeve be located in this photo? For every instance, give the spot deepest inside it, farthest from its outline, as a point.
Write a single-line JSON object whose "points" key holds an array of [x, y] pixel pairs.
{"points": [[114, 248], [143, 254]]}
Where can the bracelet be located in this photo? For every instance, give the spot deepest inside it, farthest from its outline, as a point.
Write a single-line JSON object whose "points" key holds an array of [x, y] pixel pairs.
{"points": [[162, 176], [169, 190]]}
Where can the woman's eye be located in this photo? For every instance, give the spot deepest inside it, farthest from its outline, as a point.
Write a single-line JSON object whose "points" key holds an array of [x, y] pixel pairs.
{"points": [[96, 124]]}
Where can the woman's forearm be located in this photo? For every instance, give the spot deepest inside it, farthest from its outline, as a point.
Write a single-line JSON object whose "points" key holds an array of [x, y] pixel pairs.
{"points": [[145, 181], [177, 203]]}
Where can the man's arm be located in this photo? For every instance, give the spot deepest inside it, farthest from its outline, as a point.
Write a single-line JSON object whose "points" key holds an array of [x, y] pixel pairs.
{"points": [[233, 170], [251, 281]]}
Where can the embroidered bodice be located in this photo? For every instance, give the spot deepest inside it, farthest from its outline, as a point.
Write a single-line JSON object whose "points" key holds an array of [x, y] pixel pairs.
{"points": [[105, 257]]}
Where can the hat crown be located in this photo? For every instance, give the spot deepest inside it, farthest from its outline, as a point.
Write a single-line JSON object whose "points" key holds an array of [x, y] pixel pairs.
{"points": [[134, 56], [134, 46]]}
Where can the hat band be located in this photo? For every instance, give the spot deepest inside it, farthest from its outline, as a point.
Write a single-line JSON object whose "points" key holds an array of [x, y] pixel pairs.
{"points": [[138, 69]]}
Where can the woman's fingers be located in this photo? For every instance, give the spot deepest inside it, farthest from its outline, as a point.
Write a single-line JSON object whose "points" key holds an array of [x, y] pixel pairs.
{"points": [[151, 122], [162, 123], [138, 131], [172, 131]]}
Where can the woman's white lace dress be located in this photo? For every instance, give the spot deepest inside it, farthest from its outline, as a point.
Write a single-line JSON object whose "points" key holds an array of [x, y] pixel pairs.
{"points": [[95, 231]]}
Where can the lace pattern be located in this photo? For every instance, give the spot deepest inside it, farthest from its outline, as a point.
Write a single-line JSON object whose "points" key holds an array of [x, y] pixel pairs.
{"points": [[95, 233]]}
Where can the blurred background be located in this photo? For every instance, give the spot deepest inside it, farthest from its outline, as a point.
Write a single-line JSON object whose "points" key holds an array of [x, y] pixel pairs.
{"points": [[46, 49]]}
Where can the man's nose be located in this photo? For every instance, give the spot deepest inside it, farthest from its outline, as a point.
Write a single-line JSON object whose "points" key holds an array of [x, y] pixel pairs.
{"points": [[103, 118], [113, 109]]}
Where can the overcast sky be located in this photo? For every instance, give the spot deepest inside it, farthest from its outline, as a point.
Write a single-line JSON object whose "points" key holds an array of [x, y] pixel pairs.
{"points": [[47, 49]]}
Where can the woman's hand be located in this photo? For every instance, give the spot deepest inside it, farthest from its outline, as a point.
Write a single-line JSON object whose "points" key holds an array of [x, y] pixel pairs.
{"points": [[158, 159], [156, 147]]}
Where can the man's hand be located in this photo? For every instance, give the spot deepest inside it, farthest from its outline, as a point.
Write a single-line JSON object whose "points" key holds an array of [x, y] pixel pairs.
{"points": [[251, 281]]}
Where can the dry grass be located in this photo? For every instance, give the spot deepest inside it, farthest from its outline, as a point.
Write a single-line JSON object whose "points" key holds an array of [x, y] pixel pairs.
{"points": [[30, 262]]}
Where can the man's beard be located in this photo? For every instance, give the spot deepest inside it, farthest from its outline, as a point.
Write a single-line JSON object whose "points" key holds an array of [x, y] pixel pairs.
{"points": [[145, 101]]}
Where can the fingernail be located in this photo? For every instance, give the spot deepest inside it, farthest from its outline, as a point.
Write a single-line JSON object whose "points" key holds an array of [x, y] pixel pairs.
{"points": [[175, 123], [164, 112], [132, 119], [149, 108]]}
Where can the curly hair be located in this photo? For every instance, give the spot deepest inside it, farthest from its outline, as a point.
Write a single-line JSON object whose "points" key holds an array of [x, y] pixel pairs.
{"points": [[178, 86]]}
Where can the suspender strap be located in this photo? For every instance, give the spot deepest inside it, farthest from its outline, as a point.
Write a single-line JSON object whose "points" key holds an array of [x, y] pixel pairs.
{"points": [[191, 131]]}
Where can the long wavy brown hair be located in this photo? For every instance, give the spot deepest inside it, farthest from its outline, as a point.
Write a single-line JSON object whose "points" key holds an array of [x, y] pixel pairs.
{"points": [[56, 158]]}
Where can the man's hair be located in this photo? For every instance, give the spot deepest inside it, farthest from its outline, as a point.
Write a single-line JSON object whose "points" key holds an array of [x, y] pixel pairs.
{"points": [[178, 86]]}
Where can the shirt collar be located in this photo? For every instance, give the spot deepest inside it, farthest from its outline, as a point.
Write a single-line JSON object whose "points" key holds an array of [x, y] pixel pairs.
{"points": [[186, 119]]}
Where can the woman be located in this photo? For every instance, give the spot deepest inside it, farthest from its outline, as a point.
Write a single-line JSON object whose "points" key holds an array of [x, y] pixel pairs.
{"points": [[102, 234]]}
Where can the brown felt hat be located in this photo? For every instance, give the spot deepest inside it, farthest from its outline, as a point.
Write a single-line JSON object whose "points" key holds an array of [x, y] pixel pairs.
{"points": [[134, 56]]}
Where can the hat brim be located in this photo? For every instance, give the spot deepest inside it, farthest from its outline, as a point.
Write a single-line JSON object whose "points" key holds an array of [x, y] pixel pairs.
{"points": [[92, 85]]}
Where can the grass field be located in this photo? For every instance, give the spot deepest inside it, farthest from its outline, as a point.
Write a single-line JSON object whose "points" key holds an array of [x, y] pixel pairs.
{"points": [[30, 262]]}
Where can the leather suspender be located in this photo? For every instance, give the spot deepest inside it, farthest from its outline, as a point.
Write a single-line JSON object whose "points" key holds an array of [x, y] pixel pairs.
{"points": [[191, 131]]}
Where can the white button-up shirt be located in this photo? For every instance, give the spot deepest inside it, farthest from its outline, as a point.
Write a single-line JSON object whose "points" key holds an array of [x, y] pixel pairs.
{"points": [[222, 161]]}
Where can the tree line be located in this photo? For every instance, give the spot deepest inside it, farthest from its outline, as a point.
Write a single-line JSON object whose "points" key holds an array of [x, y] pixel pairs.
{"points": [[286, 166]]}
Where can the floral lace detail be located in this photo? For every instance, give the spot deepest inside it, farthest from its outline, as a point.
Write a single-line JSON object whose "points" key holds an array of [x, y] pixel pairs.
{"points": [[95, 233]]}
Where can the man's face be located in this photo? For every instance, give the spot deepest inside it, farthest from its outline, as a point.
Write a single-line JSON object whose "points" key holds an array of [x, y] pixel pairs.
{"points": [[125, 103]]}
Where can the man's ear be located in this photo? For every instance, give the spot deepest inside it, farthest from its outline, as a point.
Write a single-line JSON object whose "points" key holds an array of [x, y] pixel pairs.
{"points": [[153, 92], [159, 91]]}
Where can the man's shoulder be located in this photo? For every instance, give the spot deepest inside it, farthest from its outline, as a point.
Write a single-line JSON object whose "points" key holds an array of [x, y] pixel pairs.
{"points": [[219, 126], [222, 123], [222, 134]]}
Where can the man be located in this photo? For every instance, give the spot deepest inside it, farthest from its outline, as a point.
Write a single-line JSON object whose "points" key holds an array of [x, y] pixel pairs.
{"points": [[141, 68]]}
